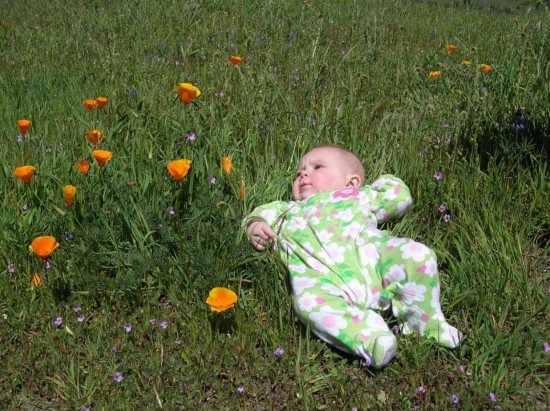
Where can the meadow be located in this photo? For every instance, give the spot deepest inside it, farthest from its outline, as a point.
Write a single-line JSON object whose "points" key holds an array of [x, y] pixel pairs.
{"points": [[452, 99]]}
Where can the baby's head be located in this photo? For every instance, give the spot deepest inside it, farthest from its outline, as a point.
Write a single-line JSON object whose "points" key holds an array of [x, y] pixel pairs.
{"points": [[327, 168]]}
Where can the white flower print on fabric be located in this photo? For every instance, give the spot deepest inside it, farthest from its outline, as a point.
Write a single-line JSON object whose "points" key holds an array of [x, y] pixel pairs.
{"points": [[355, 292], [374, 322], [413, 324], [317, 265], [297, 223], [335, 252], [351, 231], [299, 284], [411, 292], [324, 236], [346, 215], [402, 206], [356, 313], [329, 320], [415, 251], [382, 214], [391, 194], [297, 268], [369, 255], [333, 290], [309, 301], [428, 268], [395, 273], [413, 310], [270, 216], [435, 298]]}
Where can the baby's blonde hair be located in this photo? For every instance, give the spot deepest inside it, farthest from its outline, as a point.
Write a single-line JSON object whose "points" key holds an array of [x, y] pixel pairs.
{"points": [[352, 161]]}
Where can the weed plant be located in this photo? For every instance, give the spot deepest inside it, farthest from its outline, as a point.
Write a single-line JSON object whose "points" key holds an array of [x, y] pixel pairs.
{"points": [[119, 319]]}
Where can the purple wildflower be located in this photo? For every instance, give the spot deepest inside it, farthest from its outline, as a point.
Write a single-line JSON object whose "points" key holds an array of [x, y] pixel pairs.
{"points": [[240, 389], [447, 218], [546, 346], [85, 409], [80, 319], [58, 321], [442, 208], [438, 176], [171, 210], [114, 349], [278, 352], [76, 308], [455, 399], [177, 342], [421, 390], [11, 268], [127, 327], [191, 136], [492, 397], [19, 138], [212, 180], [152, 321], [117, 377], [164, 324], [48, 265], [313, 122]]}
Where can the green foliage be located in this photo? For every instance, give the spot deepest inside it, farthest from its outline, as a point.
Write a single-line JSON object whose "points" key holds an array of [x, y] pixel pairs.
{"points": [[138, 246]]}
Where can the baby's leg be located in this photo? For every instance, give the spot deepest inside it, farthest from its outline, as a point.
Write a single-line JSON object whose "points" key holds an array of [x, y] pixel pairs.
{"points": [[331, 314], [411, 280]]}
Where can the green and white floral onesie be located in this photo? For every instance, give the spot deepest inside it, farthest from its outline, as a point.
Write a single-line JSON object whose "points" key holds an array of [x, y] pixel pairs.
{"points": [[345, 271]]}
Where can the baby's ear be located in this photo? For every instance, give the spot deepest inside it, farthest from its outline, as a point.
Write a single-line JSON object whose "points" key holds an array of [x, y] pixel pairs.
{"points": [[354, 181]]}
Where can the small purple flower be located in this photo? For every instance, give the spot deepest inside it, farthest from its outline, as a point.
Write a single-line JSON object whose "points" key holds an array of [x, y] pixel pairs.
{"points": [[191, 136], [85, 409], [177, 342], [212, 180], [420, 154], [76, 308], [448, 141], [455, 399], [48, 265], [152, 321], [160, 226], [240, 389], [48, 149], [447, 218], [117, 377], [58, 321], [114, 349], [171, 210], [278, 352], [80, 319], [11, 268], [24, 206], [19, 138], [128, 327], [395, 329], [314, 122], [354, 409], [438, 176], [222, 94], [164, 324], [462, 368], [421, 390], [492, 397], [442, 208], [546, 346]]}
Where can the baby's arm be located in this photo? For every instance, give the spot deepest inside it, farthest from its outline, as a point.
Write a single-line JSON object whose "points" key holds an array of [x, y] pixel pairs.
{"points": [[391, 198], [263, 222]]}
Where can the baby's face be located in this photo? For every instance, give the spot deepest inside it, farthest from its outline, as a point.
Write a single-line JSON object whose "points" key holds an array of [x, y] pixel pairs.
{"points": [[321, 169]]}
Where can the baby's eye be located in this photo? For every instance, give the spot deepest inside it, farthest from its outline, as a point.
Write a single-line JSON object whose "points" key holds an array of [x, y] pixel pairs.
{"points": [[317, 167]]}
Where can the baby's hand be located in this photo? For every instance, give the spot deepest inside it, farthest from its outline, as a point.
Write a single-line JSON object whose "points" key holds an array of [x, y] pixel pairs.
{"points": [[259, 234]]}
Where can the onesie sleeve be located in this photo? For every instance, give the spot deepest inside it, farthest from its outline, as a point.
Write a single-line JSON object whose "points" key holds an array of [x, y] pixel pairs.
{"points": [[270, 213], [390, 198]]}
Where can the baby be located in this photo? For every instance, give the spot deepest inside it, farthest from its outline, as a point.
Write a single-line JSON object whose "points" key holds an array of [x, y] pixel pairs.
{"points": [[344, 270]]}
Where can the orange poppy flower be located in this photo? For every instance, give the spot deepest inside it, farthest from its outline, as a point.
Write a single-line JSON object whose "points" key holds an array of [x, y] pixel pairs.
{"points": [[235, 60], [485, 68], [466, 62], [226, 165], [90, 104], [242, 188], [450, 48], [102, 156], [24, 125], [69, 192], [187, 92], [435, 74], [220, 299], [83, 166], [101, 102], [25, 173], [94, 136], [36, 281], [179, 168], [44, 246]]}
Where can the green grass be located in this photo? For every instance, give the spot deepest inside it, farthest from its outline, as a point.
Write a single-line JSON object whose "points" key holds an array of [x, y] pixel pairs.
{"points": [[353, 73]]}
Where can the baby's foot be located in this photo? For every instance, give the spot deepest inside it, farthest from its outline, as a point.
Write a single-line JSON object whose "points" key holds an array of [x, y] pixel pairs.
{"points": [[436, 328], [384, 349]]}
